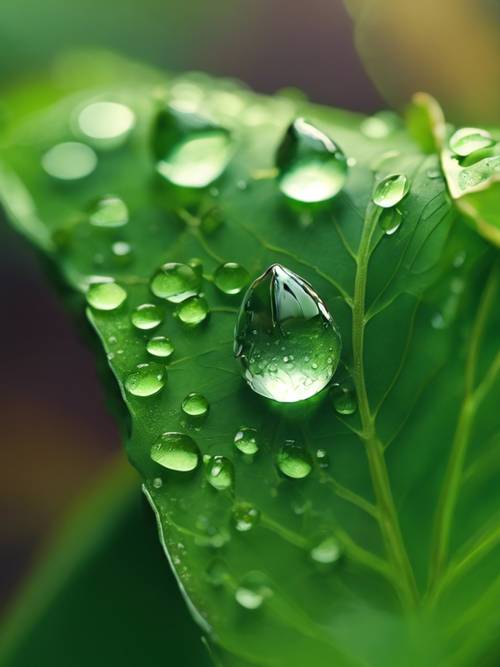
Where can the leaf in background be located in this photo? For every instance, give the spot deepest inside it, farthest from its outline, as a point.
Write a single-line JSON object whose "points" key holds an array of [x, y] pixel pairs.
{"points": [[328, 568]]}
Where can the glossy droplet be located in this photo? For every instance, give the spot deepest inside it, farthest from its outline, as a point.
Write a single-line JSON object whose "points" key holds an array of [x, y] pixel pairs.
{"points": [[312, 167], [391, 190], [294, 460], [160, 346], [146, 380], [107, 123], [252, 591], [390, 220], [190, 151], [122, 251], [175, 282], [467, 140], [327, 551], [433, 173], [245, 516], [344, 400], [285, 337], [193, 311], [109, 211], [106, 296], [69, 161], [231, 278], [147, 316], [176, 451], [246, 440], [219, 472], [195, 405]]}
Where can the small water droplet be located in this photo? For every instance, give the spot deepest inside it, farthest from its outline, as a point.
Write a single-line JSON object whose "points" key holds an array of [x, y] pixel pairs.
{"points": [[246, 440], [106, 295], [175, 282], [433, 173], [146, 380], [108, 211], [252, 590], [380, 125], [294, 460], [219, 472], [467, 140], [147, 316], [327, 551], [280, 308], [245, 516], [390, 220], [312, 167], [190, 151], [344, 399], [391, 190], [231, 278], [193, 311], [157, 482], [122, 251], [176, 451], [195, 405], [322, 458], [106, 123], [160, 346], [69, 161]]}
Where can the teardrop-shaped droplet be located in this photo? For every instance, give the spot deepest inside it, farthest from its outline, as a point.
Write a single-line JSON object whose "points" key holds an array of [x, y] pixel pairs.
{"points": [[327, 551], [231, 278], [160, 346], [176, 451], [390, 220], [252, 590], [105, 296], [69, 161], [245, 516], [190, 151], [219, 472], [391, 190], [344, 400], [147, 316], [285, 338], [312, 167], [175, 282], [108, 211], [193, 311], [246, 440], [468, 140], [146, 380], [195, 405], [294, 460]]}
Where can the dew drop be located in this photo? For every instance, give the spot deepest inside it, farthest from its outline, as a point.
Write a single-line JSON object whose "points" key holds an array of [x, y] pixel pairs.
{"points": [[312, 168], [108, 211], [294, 460], [246, 440], [106, 123], [160, 346], [245, 516], [190, 151], [175, 282], [195, 405], [344, 399], [231, 278], [176, 451], [282, 309], [327, 551], [193, 311], [146, 380], [219, 472], [147, 316], [69, 161], [252, 591], [467, 140], [390, 220], [122, 251], [106, 296], [391, 190], [433, 174], [380, 125]]}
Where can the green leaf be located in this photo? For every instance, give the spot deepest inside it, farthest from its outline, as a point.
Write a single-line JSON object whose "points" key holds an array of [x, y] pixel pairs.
{"points": [[404, 498]]}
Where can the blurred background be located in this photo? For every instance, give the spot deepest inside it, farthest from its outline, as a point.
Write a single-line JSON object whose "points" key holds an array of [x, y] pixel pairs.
{"points": [[56, 434]]}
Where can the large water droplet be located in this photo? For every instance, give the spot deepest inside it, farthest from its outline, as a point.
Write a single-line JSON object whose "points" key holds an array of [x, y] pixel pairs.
{"points": [[106, 296], [190, 151], [246, 440], [176, 451], [69, 161], [195, 405], [160, 346], [285, 337], [219, 472], [390, 220], [294, 460], [391, 190], [312, 167], [252, 590], [109, 211], [327, 551], [245, 516], [193, 311], [344, 399], [106, 123], [175, 282], [146, 380], [147, 316], [467, 140], [231, 278]]}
